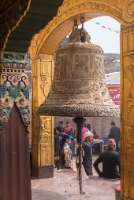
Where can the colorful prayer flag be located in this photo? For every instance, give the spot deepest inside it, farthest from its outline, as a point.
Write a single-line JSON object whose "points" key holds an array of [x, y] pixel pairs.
{"points": [[109, 28], [116, 31], [98, 23]]}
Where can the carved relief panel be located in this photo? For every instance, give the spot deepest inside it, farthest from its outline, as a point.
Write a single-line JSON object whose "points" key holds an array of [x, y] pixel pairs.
{"points": [[46, 76], [42, 70], [127, 111], [46, 144]]}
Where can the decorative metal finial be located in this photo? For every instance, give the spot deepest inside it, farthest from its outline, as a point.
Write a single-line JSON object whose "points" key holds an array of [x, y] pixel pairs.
{"points": [[75, 24], [82, 31], [82, 20]]}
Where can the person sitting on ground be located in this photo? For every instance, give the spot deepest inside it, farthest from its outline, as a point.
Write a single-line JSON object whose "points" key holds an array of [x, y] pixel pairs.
{"points": [[110, 159], [96, 146], [95, 136], [87, 158], [66, 151]]}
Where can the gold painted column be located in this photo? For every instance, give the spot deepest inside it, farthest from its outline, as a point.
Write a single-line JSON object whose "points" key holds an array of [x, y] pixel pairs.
{"points": [[127, 113], [42, 126]]}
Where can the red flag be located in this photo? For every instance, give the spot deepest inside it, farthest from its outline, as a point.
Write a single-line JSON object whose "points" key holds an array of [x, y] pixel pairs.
{"points": [[116, 31]]}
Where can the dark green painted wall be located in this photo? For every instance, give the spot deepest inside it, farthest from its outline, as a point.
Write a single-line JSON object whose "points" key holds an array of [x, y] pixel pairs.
{"points": [[37, 17]]}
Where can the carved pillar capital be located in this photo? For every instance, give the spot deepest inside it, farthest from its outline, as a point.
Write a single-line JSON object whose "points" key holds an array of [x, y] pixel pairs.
{"points": [[128, 11]]}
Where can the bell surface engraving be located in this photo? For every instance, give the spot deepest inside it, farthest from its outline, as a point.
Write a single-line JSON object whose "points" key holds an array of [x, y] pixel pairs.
{"points": [[79, 87]]}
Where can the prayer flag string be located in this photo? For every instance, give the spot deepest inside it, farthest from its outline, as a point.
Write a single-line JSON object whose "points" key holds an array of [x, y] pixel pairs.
{"points": [[98, 23]]}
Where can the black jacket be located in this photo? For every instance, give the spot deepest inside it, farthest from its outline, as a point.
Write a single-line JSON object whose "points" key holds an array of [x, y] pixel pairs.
{"points": [[110, 159], [57, 145], [115, 133], [87, 158]]}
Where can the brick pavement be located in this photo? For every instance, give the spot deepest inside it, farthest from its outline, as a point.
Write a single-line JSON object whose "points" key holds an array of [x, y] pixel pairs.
{"points": [[64, 186]]}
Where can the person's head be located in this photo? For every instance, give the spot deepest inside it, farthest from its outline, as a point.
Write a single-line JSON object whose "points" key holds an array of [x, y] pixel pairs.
{"points": [[111, 144], [61, 123], [58, 130], [67, 139], [88, 136], [94, 132], [112, 123], [67, 124], [89, 127], [83, 125]]}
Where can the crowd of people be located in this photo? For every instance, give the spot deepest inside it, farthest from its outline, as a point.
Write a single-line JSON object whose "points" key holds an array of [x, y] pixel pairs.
{"points": [[65, 138]]}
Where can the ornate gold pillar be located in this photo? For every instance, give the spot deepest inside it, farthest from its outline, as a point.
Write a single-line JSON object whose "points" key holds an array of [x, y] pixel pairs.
{"points": [[127, 113], [42, 126]]}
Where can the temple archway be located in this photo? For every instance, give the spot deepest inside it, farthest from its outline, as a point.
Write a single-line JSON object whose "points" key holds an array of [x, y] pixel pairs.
{"points": [[15, 38], [42, 48], [69, 11]]}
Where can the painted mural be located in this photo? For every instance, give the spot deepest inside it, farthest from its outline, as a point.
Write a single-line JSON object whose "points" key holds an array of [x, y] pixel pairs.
{"points": [[14, 89]]}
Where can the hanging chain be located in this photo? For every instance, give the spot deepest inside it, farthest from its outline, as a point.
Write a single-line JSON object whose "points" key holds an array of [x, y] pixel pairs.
{"points": [[80, 163], [82, 20], [82, 33], [75, 24]]}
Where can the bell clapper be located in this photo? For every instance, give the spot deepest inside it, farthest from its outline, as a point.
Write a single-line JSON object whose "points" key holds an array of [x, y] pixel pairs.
{"points": [[75, 25], [79, 121]]}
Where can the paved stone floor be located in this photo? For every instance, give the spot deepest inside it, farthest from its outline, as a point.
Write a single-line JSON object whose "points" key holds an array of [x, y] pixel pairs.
{"points": [[64, 186]]}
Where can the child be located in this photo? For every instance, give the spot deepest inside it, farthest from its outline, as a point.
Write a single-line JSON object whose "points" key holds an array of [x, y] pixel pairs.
{"points": [[67, 152]]}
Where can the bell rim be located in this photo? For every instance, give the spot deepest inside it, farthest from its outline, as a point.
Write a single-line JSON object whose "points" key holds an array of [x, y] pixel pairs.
{"points": [[79, 111]]}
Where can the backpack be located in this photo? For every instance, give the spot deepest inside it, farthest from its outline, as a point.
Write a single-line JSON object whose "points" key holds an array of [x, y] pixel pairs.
{"points": [[71, 132]]}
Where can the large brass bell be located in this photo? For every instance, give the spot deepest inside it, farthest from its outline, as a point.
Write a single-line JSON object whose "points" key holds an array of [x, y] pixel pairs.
{"points": [[79, 86]]}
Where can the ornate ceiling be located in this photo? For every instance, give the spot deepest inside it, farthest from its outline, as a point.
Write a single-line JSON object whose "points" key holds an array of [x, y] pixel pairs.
{"points": [[21, 19], [5, 4]]}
